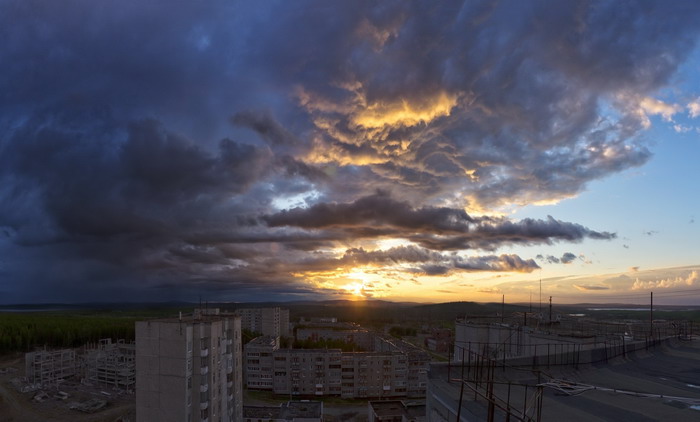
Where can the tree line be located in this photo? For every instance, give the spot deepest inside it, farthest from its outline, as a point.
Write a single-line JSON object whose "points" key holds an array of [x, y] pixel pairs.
{"points": [[24, 332]]}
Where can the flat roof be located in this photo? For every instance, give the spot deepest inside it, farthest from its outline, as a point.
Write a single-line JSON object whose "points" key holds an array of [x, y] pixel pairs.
{"points": [[288, 411], [388, 407], [665, 376]]}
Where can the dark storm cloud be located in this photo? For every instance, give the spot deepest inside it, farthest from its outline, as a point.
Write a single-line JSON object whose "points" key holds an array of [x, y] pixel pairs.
{"points": [[566, 258], [431, 262], [378, 209], [153, 145], [432, 227], [266, 126]]}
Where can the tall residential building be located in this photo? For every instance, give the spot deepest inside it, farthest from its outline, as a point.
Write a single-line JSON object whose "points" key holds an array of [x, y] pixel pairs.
{"points": [[267, 321], [189, 369]]}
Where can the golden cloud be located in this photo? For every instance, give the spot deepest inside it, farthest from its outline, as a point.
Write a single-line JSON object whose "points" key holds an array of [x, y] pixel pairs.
{"points": [[405, 112]]}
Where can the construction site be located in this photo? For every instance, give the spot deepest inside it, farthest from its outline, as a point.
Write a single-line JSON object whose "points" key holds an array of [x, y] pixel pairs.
{"points": [[90, 383]]}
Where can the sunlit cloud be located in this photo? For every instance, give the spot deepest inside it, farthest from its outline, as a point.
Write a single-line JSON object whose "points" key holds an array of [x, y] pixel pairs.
{"points": [[692, 279], [653, 106], [405, 112], [586, 287], [694, 108]]}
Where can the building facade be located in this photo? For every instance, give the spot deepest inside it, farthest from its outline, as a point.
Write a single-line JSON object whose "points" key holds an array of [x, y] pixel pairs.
{"points": [[267, 321], [189, 369], [392, 370]]}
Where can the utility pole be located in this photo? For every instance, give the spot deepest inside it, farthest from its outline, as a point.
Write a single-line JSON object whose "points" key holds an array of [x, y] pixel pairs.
{"points": [[651, 314], [503, 305], [550, 310]]}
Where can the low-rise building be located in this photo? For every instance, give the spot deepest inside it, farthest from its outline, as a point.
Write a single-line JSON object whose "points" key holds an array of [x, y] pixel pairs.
{"points": [[440, 340]]}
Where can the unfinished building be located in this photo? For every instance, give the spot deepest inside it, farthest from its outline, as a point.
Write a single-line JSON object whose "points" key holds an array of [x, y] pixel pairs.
{"points": [[50, 366], [113, 364]]}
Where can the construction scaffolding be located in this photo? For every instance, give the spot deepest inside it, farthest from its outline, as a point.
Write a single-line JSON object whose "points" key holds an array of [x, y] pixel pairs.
{"points": [[50, 366], [112, 364]]}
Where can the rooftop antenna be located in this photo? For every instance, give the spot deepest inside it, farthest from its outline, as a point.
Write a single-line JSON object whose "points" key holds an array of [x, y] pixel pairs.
{"points": [[540, 291]]}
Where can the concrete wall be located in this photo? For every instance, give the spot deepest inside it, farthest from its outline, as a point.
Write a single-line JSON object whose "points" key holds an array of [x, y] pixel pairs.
{"points": [[161, 371]]}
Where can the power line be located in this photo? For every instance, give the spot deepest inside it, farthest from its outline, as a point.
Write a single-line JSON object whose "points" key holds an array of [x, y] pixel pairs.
{"points": [[636, 295]]}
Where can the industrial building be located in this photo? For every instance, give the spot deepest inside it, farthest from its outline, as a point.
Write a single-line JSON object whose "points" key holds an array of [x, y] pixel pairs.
{"points": [[189, 368], [267, 321]]}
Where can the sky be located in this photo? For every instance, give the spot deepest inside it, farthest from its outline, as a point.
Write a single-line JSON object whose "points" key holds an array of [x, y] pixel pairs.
{"points": [[422, 151]]}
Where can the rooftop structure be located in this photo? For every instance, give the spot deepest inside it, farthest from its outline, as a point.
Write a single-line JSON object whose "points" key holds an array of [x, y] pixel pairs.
{"points": [[299, 411], [512, 338], [641, 380], [395, 411]]}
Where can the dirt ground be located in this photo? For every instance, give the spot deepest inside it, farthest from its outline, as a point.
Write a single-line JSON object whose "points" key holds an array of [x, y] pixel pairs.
{"points": [[332, 412], [16, 406]]}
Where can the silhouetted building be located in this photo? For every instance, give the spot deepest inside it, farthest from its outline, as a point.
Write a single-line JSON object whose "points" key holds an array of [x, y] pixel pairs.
{"points": [[267, 321]]}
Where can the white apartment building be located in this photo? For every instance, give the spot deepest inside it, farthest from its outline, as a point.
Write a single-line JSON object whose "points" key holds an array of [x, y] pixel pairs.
{"points": [[267, 321], [393, 369], [189, 369]]}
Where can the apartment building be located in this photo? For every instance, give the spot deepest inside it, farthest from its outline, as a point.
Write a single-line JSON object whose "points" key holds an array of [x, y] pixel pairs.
{"points": [[395, 369], [258, 362], [267, 321], [189, 369]]}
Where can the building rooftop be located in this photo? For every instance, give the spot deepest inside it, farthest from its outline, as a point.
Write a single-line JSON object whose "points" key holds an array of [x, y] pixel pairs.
{"points": [[263, 341], [387, 408], [199, 315], [288, 411], [659, 382]]}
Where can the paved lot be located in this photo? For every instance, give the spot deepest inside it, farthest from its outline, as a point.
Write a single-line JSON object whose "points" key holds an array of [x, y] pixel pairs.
{"points": [[667, 379]]}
